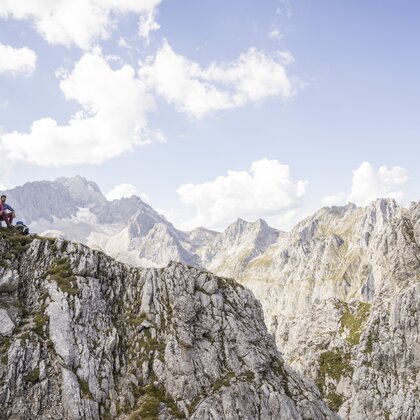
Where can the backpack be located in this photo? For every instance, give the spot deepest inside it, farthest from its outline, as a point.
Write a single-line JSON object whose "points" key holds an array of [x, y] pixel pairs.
{"points": [[22, 227]]}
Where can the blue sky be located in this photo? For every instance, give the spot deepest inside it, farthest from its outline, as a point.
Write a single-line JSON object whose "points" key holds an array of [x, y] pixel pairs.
{"points": [[250, 109]]}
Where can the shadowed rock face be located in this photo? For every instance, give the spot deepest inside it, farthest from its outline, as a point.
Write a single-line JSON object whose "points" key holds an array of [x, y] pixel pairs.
{"points": [[86, 337]]}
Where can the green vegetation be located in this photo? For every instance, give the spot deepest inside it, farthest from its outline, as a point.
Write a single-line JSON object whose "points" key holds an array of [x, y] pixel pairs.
{"points": [[32, 376], [4, 359], [84, 387], [200, 289], [137, 320], [5, 343], [152, 345], [249, 376], [333, 365], [373, 337], [225, 381], [225, 282], [40, 320], [151, 398], [334, 400], [194, 404], [63, 275], [278, 367], [354, 322], [149, 409], [25, 336], [19, 243]]}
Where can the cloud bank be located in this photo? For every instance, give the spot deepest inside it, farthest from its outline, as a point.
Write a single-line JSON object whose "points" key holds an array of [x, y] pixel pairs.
{"points": [[112, 120], [120, 191], [267, 190], [78, 22], [199, 91], [369, 184]]}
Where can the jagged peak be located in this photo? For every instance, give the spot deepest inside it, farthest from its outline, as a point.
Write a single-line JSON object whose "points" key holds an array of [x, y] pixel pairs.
{"points": [[201, 229], [382, 209], [77, 181], [241, 225], [384, 204]]}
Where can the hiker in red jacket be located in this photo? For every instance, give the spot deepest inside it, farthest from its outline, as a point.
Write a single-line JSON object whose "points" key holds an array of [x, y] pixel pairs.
{"points": [[4, 215]]}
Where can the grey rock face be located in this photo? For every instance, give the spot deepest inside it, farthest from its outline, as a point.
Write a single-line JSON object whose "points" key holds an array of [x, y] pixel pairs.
{"points": [[230, 252], [43, 199], [6, 324], [127, 229], [341, 294], [9, 280], [95, 339]]}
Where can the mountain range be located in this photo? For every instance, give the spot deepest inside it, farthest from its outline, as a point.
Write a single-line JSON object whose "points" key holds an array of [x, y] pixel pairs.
{"points": [[340, 292]]}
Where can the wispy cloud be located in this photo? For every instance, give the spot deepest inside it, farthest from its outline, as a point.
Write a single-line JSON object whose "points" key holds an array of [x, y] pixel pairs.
{"points": [[284, 8], [275, 34]]}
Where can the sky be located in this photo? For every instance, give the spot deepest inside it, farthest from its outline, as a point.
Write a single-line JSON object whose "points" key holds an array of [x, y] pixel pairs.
{"points": [[214, 110]]}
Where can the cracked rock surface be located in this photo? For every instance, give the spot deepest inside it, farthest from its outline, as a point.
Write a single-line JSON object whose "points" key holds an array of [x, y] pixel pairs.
{"points": [[86, 337], [341, 294]]}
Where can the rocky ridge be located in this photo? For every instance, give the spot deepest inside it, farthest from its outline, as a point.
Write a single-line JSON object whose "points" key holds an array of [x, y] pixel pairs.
{"points": [[341, 294], [86, 337], [131, 231]]}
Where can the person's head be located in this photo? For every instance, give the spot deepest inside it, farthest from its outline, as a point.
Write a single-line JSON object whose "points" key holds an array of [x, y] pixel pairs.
{"points": [[3, 198]]}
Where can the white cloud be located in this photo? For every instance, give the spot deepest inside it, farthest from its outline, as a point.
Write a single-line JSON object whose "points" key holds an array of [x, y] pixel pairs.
{"points": [[74, 22], [120, 191], [276, 34], [267, 190], [198, 91], [112, 119], [368, 185], [17, 61], [334, 200], [126, 190]]}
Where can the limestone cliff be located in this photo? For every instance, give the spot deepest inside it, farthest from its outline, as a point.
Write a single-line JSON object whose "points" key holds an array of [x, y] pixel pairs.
{"points": [[86, 337]]}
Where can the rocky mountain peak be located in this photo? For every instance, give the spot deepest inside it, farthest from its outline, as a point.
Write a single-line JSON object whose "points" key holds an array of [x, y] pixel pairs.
{"points": [[78, 183], [83, 192]]}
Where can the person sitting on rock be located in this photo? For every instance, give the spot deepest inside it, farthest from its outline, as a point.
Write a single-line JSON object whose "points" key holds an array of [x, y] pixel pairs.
{"points": [[3, 216], [7, 213]]}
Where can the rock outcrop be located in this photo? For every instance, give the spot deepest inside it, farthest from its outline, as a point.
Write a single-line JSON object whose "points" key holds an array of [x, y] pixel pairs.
{"points": [[86, 337], [341, 293]]}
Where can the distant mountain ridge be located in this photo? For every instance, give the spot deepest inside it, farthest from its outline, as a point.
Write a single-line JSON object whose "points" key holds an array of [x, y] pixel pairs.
{"points": [[131, 230]]}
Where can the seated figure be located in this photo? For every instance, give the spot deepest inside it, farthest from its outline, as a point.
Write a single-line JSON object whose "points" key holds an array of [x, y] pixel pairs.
{"points": [[7, 213]]}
